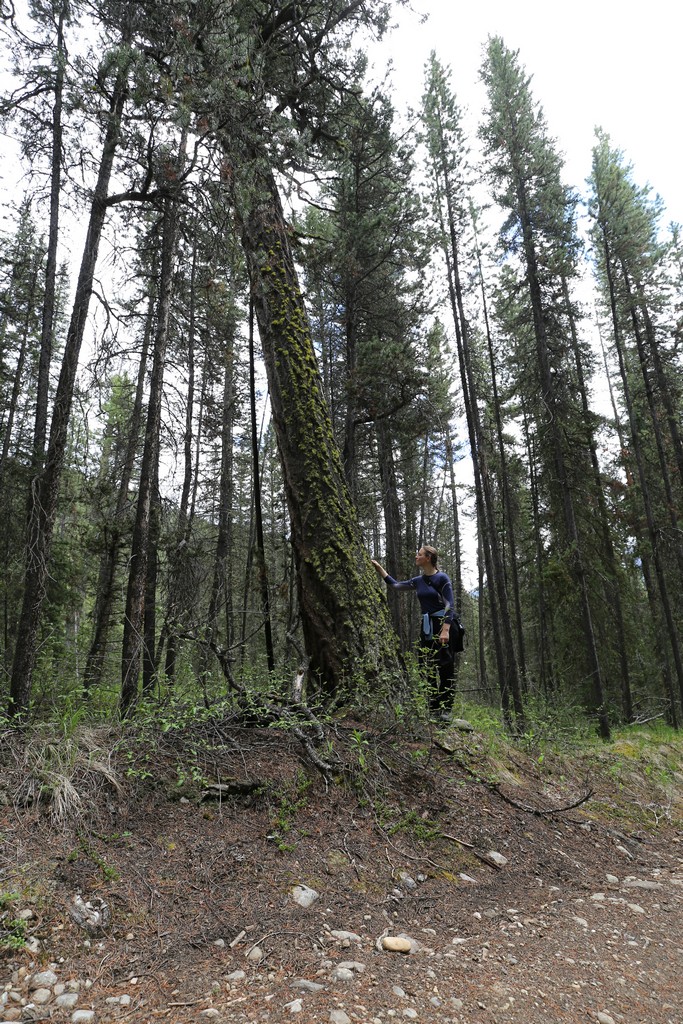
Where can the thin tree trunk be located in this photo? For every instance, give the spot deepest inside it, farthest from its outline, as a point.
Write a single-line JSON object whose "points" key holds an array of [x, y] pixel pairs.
{"points": [[508, 674], [548, 394], [45, 488], [135, 596], [505, 476], [105, 586], [392, 525], [642, 478], [47, 328], [258, 517], [611, 586]]}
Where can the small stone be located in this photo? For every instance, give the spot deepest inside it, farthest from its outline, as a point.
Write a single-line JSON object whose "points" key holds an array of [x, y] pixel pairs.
{"points": [[41, 996], [635, 908], [26, 915], [498, 859], [296, 1006], [12, 1013], [211, 1014], [641, 883], [457, 1004], [612, 879], [59, 988], [341, 974], [410, 1014], [581, 920], [307, 986], [255, 955], [304, 895], [435, 1001], [220, 943], [44, 979], [398, 991], [462, 724], [124, 1000], [343, 936], [82, 1016], [467, 878], [339, 1017], [236, 976], [395, 944], [33, 945], [407, 880], [352, 965], [604, 1018]]}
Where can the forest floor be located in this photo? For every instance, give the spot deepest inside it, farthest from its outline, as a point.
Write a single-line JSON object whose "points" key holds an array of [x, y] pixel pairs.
{"points": [[583, 921]]}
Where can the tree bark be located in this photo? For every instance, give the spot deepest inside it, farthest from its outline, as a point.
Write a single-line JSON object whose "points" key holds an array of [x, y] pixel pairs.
{"points": [[343, 615]]}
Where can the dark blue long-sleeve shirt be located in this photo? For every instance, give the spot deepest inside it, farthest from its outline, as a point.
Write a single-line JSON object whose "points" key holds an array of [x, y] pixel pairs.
{"points": [[428, 592]]}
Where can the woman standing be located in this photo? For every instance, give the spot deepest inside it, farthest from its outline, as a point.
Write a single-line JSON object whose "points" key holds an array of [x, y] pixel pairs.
{"points": [[441, 632]]}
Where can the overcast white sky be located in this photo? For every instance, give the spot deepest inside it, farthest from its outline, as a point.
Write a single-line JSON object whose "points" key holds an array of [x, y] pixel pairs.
{"points": [[594, 62]]}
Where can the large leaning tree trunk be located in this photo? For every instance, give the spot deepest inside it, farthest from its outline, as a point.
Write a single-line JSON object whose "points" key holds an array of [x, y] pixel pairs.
{"points": [[344, 617]]}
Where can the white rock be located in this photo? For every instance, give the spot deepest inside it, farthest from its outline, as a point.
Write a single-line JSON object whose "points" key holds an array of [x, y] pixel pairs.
{"points": [[236, 976], [296, 1006], [467, 878], [640, 883], [41, 996], [304, 896], [339, 1017], [581, 920], [497, 858], [612, 879], [255, 955], [352, 965], [341, 974], [398, 991], [342, 935], [407, 880], [604, 1018], [59, 988], [124, 1000], [82, 1016], [635, 908], [44, 979], [220, 943], [410, 1014], [211, 1014], [26, 915]]}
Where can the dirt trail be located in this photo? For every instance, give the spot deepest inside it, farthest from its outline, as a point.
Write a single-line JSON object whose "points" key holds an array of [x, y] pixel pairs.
{"points": [[584, 919]]}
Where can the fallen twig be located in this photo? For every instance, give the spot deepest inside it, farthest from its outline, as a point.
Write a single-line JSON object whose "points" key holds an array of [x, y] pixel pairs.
{"points": [[540, 812]]}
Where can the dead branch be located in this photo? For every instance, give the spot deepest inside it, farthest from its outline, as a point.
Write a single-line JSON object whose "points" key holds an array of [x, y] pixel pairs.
{"points": [[540, 812]]}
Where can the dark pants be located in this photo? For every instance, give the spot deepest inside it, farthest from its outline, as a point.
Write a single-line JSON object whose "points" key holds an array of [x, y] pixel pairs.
{"points": [[438, 662]]}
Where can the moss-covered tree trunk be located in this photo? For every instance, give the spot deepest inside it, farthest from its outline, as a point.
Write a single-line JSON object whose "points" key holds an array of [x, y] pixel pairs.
{"points": [[344, 614]]}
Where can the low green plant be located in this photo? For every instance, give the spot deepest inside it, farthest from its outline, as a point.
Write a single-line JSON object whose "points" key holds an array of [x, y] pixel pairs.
{"points": [[12, 929]]}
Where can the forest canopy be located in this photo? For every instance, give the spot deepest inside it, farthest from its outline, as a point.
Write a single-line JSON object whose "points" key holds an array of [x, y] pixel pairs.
{"points": [[300, 329]]}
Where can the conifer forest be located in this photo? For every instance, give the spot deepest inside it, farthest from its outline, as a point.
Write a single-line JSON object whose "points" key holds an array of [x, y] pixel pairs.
{"points": [[259, 324]]}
